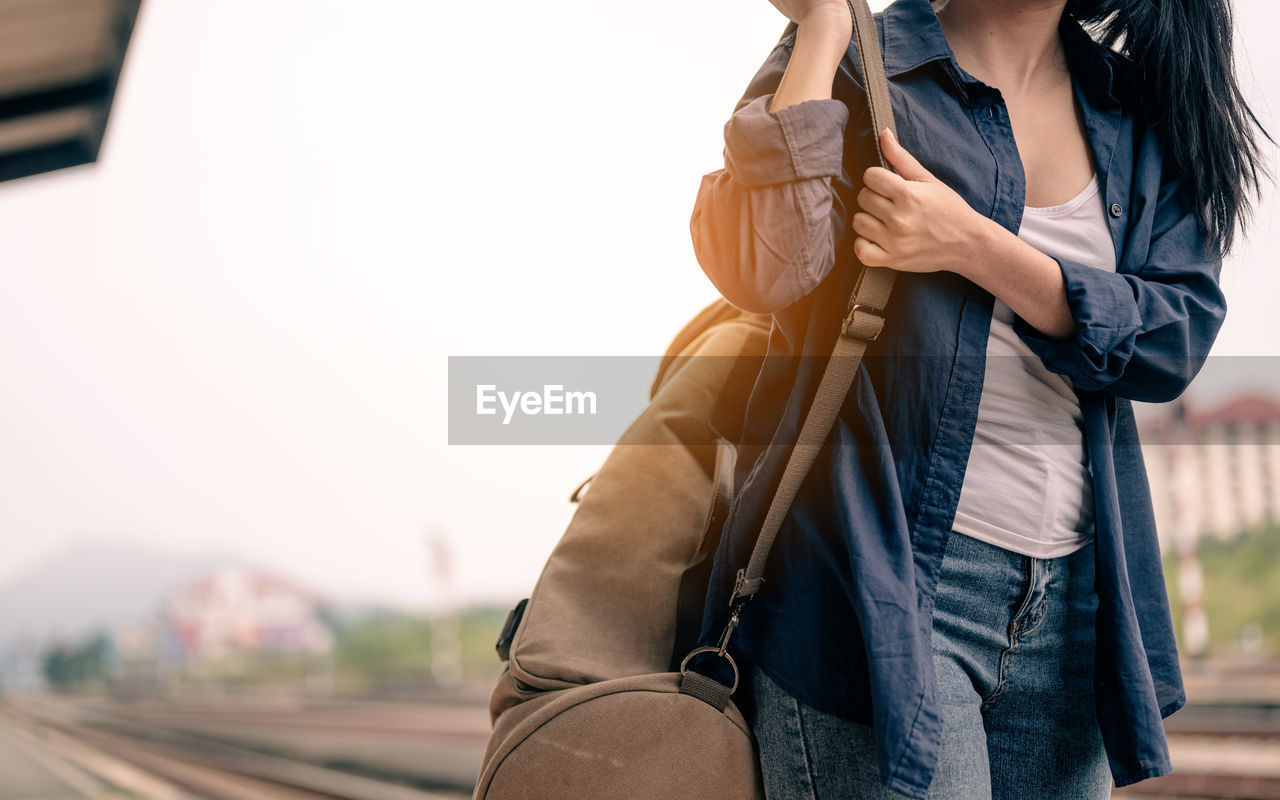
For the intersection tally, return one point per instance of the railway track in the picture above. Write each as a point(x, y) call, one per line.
point(1203, 786)
point(1219, 753)
point(434, 749)
point(1251, 721)
point(1226, 752)
point(206, 770)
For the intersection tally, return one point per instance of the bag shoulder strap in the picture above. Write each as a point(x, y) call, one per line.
point(861, 326)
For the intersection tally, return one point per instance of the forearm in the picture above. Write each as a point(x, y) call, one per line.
point(1141, 334)
point(821, 41)
point(1025, 279)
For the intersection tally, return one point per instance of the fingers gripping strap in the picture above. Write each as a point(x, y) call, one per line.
point(860, 328)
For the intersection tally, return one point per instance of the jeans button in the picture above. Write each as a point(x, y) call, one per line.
point(1116, 210)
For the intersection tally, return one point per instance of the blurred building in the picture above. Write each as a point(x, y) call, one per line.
point(1234, 471)
point(237, 611)
point(60, 61)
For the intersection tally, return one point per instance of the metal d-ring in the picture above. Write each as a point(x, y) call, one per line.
point(723, 654)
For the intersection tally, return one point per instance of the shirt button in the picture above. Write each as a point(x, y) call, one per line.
point(1116, 210)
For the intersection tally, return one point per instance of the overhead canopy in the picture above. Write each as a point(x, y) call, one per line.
point(59, 64)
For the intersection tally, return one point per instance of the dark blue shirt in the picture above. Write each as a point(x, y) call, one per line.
point(844, 618)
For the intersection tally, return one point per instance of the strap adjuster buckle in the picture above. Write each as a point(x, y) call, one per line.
point(863, 322)
point(744, 589)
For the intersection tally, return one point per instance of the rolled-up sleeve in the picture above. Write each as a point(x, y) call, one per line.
point(796, 143)
point(766, 227)
point(1143, 336)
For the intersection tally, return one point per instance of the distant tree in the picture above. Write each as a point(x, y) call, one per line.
point(68, 666)
point(1241, 591)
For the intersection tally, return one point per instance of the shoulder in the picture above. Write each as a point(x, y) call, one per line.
point(1149, 135)
point(1124, 77)
point(1127, 81)
point(1101, 67)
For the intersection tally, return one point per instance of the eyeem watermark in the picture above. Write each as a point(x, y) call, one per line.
point(594, 400)
point(553, 400)
point(542, 400)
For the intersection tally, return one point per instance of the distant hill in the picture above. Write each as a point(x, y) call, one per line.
point(93, 584)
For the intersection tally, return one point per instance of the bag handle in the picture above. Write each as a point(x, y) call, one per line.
point(861, 326)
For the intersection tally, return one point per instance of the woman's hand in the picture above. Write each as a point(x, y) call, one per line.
point(913, 222)
point(835, 12)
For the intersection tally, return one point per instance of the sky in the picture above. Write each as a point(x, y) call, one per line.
point(232, 334)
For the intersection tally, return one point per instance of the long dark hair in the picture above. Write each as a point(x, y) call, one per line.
point(1182, 51)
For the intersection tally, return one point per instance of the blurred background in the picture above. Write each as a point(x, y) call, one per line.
point(241, 240)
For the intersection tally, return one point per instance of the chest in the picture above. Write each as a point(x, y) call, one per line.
point(1049, 132)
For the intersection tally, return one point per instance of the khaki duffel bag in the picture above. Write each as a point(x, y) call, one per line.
point(595, 635)
point(600, 699)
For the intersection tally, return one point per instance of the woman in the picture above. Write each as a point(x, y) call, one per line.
point(966, 599)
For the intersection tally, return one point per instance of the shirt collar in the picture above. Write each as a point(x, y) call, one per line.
point(913, 37)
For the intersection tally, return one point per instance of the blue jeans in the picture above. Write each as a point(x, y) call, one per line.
point(1013, 643)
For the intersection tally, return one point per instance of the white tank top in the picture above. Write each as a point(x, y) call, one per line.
point(1026, 487)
